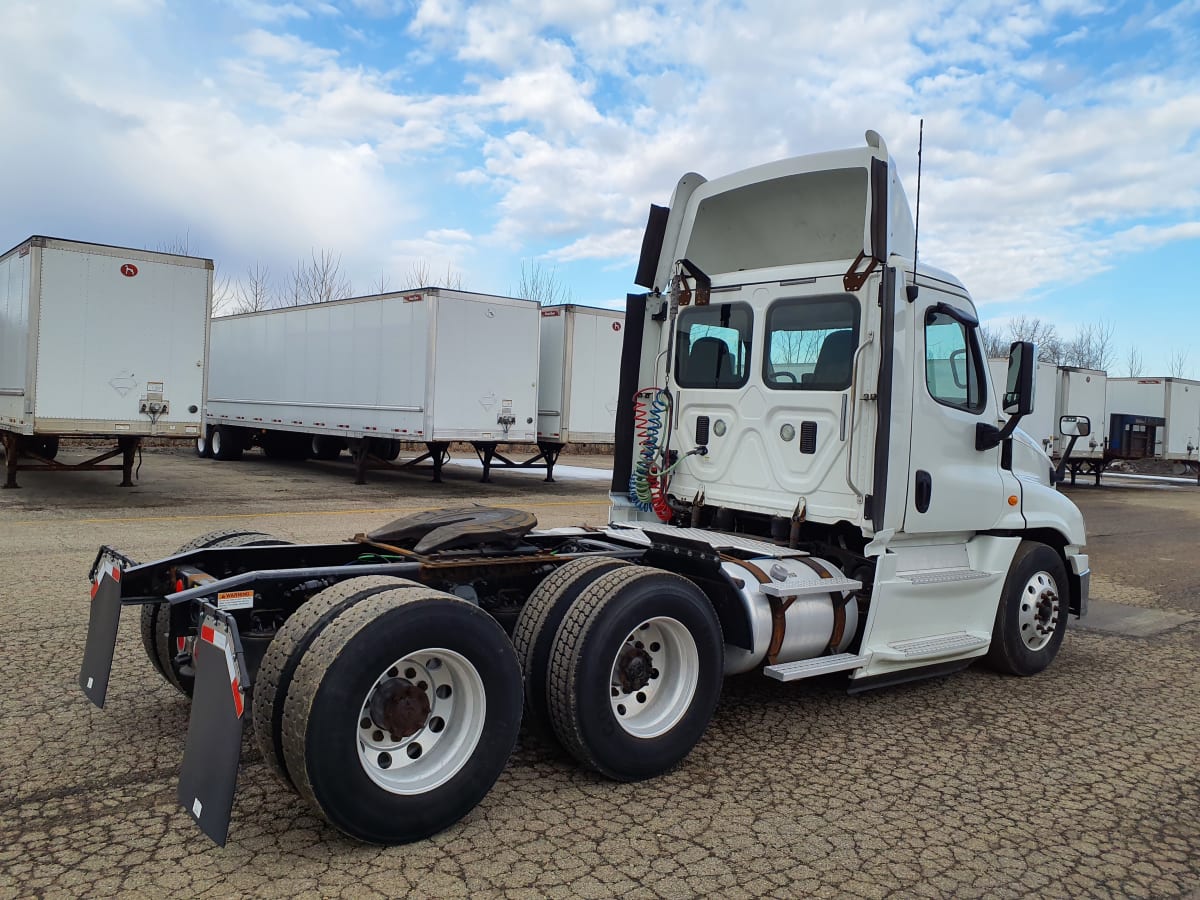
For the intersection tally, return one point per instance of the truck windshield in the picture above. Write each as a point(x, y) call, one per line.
point(804, 218)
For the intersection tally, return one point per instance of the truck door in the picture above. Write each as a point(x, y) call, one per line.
point(952, 486)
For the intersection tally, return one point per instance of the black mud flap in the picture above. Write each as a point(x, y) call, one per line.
point(103, 619)
point(208, 777)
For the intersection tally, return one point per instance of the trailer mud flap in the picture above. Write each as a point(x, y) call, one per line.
point(208, 778)
point(103, 620)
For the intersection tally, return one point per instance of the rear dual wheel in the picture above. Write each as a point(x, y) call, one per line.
point(635, 672)
point(393, 711)
point(226, 442)
point(163, 643)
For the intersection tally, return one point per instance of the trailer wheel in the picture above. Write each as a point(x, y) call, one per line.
point(46, 447)
point(287, 648)
point(162, 644)
point(1032, 616)
point(226, 443)
point(402, 714)
point(635, 672)
point(542, 614)
point(325, 447)
point(203, 446)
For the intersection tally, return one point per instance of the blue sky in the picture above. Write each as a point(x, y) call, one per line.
point(1061, 168)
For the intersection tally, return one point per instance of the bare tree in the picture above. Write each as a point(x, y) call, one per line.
point(319, 280)
point(418, 274)
point(1091, 348)
point(255, 293)
point(1044, 334)
point(1177, 364)
point(542, 284)
point(383, 284)
point(1133, 361)
point(454, 278)
point(224, 294)
point(994, 344)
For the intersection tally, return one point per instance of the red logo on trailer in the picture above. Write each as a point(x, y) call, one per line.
point(129, 270)
point(616, 326)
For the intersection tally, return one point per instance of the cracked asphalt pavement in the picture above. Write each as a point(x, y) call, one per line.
point(1081, 781)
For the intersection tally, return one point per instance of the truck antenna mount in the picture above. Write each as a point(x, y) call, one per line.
point(911, 290)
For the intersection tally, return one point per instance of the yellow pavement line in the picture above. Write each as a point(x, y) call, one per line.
point(271, 515)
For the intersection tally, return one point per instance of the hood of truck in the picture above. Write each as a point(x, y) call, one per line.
point(822, 207)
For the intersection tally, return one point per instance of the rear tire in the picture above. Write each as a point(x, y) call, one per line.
point(161, 643)
point(226, 443)
point(1031, 619)
point(635, 672)
point(287, 648)
point(456, 731)
point(538, 623)
point(203, 447)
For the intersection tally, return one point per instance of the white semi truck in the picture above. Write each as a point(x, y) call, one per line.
point(98, 342)
point(810, 478)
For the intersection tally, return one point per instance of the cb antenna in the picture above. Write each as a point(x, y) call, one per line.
point(911, 291)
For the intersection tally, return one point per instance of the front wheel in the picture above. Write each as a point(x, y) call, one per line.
point(1032, 616)
point(635, 672)
point(402, 714)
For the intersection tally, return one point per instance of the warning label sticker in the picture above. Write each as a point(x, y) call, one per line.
point(235, 600)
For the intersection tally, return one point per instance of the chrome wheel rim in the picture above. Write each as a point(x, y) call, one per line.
point(654, 677)
point(1038, 617)
point(421, 720)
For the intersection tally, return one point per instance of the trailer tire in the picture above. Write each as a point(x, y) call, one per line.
point(325, 447)
point(456, 733)
point(538, 623)
point(203, 444)
point(628, 709)
point(160, 643)
point(287, 648)
point(1031, 618)
point(46, 447)
point(226, 443)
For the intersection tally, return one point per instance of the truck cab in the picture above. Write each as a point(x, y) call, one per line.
point(802, 379)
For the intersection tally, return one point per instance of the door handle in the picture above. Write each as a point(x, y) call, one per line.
point(924, 490)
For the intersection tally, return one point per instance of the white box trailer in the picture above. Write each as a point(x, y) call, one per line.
point(101, 342)
point(1081, 392)
point(431, 366)
point(579, 373)
point(1174, 400)
point(1042, 423)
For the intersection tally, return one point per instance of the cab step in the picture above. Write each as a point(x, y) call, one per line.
point(944, 576)
point(933, 647)
point(820, 665)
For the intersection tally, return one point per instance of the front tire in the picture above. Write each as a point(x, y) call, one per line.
point(635, 673)
point(402, 714)
point(1031, 619)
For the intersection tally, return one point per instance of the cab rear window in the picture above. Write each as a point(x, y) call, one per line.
point(712, 346)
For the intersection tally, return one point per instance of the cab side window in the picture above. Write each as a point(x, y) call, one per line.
point(953, 363)
point(712, 346)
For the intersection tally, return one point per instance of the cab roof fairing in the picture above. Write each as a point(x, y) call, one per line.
point(848, 181)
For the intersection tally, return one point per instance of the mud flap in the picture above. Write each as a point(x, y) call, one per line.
point(208, 778)
point(103, 619)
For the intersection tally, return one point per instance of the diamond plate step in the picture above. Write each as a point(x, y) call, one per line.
point(934, 647)
point(821, 665)
point(944, 576)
